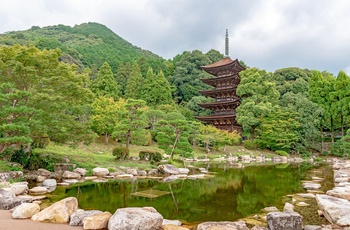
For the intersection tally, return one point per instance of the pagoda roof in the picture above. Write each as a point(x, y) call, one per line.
point(212, 81)
point(219, 103)
point(215, 117)
point(212, 91)
point(224, 63)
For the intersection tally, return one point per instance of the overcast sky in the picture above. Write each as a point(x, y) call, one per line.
point(268, 34)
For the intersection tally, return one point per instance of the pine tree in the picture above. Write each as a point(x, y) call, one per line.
point(122, 76)
point(104, 85)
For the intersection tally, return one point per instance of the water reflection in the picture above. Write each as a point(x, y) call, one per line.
point(229, 195)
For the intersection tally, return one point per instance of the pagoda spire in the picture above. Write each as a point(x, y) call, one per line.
point(226, 44)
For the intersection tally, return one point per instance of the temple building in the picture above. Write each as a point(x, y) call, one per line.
point(225, 82)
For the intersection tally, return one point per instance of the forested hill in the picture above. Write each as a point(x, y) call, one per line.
point(88, 44)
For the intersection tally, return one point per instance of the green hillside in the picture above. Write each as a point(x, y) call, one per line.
point(87, 45)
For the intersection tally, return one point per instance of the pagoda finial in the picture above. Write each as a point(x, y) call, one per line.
point(226, 44)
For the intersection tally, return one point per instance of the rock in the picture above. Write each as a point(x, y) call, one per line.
point(341, 180)
point(38, 190)
point(9, 200)
point(50, 184)
point(284, 220)
point(70, 175)
point(40, 178)
point(59, 212)
point(63, 184)
point(97, 221)
point(344, 184)
point(259, 228)
point(19, 188)
point(44, 172)
point(142, 173)
point(173, 227)
point(6, 176)
point(302, 204)
point(76, 219)
point(170, 178)
point(312, 227)
point(70, 181)
point(90, 177)
point(184, 170)
point(31, 198)
point(270, 209)
point(152, 172)
point(172, 222)
point(25, 210)
point(62, 167)
point(126, 176)
point(132, 172)
point(100, 172)
point(168, 169)
point(335, 210)
point(340, 192)
point(288, 207)
point(223, 225)
point(311, 186)
point(306, 195)
point(81, 171)
point(146, 218)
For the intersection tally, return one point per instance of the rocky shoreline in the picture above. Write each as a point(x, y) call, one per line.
point(25, 203)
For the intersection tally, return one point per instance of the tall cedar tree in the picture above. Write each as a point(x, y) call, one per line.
point(104, 85)
point(156, 89)
point(122, 75)
point(134, 83)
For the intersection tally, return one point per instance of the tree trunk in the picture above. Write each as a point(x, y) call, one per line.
point(3, 148)
point(128, 136)
point(106, 138)
point(252, 134)
point(332, 129)
point(322, 140)
point(175, 142)
point(207, 147)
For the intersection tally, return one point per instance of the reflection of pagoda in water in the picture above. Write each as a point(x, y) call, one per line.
point(226, 72)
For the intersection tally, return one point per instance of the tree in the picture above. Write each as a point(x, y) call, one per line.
point(173, 134)
point(56, 89)
point(134, 83)
point(259, 98)
point(130, 121)
point(104, 85)
point(278, 130)
point(209, 135)
point(15, 117)
point(122, 76)
point(105, 115)
point(199, 111)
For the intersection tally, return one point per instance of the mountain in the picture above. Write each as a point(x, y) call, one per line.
point(88, 45)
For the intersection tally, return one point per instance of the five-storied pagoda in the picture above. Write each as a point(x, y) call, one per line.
point(226, 72)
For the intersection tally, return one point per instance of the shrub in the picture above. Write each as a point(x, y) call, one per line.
point(121, 153)
point(41, 142)
point(281, 153)
point(251, 144)
point(34, 160)
point(150, 155)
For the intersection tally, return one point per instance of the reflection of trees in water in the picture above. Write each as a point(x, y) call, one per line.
point(229, 195)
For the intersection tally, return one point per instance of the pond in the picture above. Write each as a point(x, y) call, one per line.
point(230, 194)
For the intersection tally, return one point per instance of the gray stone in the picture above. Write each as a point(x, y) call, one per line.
point(76, 219)
point(168, 169)
point(141, 173)
point(340, 192)
point(71, 175)
point(132, 172)
point(8, 199)
point(311, 186)
point(312, 227)
point(6, 176)
point(173, 222)
point(50, 184)
point(19, 188)
point(306, 195)
point(97, 221)
point(270, 209)
point(44, 172)
point(38, 190)
point(152, 172)
point(259, 228)
point(223, 225)
point(69, 181)
point(80, 171)
point(284, 220)
point(184, 170)
point(100, 172)
point(146, 218)
point(335, 210)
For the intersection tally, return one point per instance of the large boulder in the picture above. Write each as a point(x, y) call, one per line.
point(76, 219)
point(70, 175)
point(223, 225)
point(8, 199)
point(340, 192)
point(80, 171)
point(59, 212)
point(97, 221)
point(335, 210)
point(44, 172)
point(25, 210)
point(146, 218)
point(19, 188)
point(100, 172)
point(169, 169)
point(284, 220)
